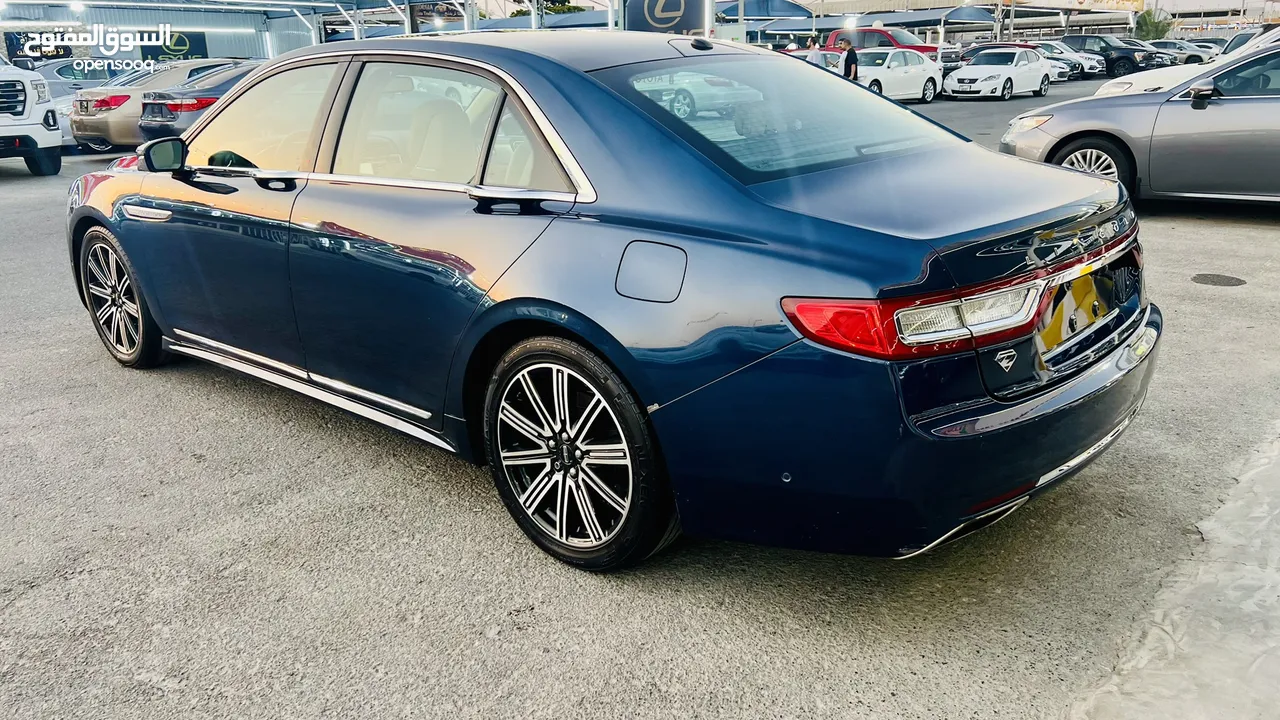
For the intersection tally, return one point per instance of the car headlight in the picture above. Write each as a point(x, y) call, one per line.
point(1028, 122)
point(1114, 88)
point(42, 91)
point(990, 78)
point(1139, 55)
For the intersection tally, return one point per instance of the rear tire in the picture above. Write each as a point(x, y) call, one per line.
point(109, 286)
point(572, 457)
point(97, 145)
point(930, 91)
point(683, 105)
point(1044, 87)
point(45, 162)
point(1194, 59)
point(1083, 155)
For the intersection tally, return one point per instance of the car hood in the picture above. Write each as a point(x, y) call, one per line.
point(916, 197)
point(977, 72)
point(1152, 80)
point(8, 72)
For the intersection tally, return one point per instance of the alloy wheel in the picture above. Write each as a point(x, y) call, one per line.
point(682, 105)
point(113, 299)
point(929, 91)
point(98, 145)
point(1092, 161)
point(565, 456)
point(1044, 86)
point(1006, 92)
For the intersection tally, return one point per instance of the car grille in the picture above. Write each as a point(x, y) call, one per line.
point(950, 56)
point(13, 98)
point(967, 81)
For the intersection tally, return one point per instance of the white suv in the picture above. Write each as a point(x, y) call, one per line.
point(28, 121)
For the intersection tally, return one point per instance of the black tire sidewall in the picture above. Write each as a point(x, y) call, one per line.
point(45, 162)
point(1123, 167)
point(875, 87)
point(1123, 67)
point(651, 513)
point(925, 97)
point(148, 351)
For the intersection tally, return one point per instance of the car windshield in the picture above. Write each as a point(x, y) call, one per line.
point(991, 57)
point(756, 116)
point(902, 37)
point(1239, 40)
point(1051, 49)
point(867, 58)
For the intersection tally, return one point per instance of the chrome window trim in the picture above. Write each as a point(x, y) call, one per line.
point(289, 383)
point(285, 368)
point(492, 192)
point(585, 191)
point(370, 396)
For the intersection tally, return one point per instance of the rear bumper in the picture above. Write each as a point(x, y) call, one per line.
point(114, 126)
point(152, 130)
point(810, 449)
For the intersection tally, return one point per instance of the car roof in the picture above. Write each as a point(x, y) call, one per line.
point(585, 50)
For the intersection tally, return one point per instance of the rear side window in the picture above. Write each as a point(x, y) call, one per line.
point(756, 117)
point(519, 158)
point(416, 122)
point(269, 126)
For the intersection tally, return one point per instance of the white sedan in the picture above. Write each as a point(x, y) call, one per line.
point(1093, 64)
point(899, 74)
point(1002, 73)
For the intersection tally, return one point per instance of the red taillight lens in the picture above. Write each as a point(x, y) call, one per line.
point(190, 104)
point(866, 327)
point(110, 103)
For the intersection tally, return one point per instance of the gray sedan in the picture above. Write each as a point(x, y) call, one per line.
point(1212, 134)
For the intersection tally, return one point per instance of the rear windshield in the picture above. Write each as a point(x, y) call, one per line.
point(994, 58)
point(1238, 40)
point(219, 76)
point(762, 118)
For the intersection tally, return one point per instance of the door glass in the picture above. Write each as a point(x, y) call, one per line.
point(896, 60)
point(1260, 76)
point(416, 122)
point(914, 59)
point(269, 126)
point(519, 158)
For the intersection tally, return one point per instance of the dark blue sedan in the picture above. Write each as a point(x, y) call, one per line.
point(776, 321)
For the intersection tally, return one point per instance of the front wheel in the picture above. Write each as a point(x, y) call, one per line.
point(1097, 156)
point(45, 162)
point(930, 91)
point(572, 457)
point(120, 314)
point(1006, 93)
point(1122, 67)
point(875, 87)
point(1044, 87)
point(683, 105)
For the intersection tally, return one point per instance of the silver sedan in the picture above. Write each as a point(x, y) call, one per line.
point(1211, 134)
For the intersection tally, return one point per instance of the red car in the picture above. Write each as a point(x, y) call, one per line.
point(865, 38)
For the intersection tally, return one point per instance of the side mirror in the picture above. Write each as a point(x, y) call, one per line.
point(164, 155)
point(1202, 91)
point(24, 63)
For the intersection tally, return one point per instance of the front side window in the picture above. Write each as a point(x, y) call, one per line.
point(269, 126)
point(1260, 76)
point(416, 122)
point(519, 158)
point(756, 117)
point(1052, 50)
point(1094, 44)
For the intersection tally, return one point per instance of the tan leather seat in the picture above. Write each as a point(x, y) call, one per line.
point(442, 147)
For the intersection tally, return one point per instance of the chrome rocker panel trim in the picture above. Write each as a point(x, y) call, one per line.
point(959, 531)
point(296, 379)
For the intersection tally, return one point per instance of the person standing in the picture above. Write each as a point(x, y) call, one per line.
point(848, 61)
point(814, 54)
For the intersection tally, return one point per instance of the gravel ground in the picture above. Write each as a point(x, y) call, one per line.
point(188, 543)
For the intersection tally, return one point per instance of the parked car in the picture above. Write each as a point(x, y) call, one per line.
point(1156, 80)
point(108, 116)
point(1183, 50)
point(1220, 43)
point(1157, 57)
point(1001, 73)
point(1212, 135)
point(608, 324)
point(1212, 50)
point(1061, 68)
point(65, 78)
point(1121, 59)
point(688, 94)
point(1239, 39)
point(1090, 64)
point(168, 113)
point(900, 74)
point(891, 37)
point(28, 121)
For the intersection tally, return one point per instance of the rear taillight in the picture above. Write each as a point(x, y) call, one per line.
point(190, 104)
point(942, 323)
point(110, 103)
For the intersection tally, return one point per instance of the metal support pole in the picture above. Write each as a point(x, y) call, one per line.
point(610, 19)
point(1013, 12)
point(468, 15)
point(534, 6)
